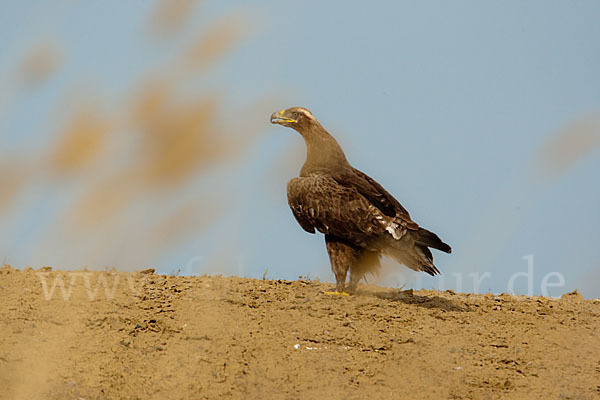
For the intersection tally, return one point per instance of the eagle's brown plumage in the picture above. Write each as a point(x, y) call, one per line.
point(359, 218)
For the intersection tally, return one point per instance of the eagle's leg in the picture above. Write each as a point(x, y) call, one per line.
point(354, 279)
point(368, 262)
point(341, 255)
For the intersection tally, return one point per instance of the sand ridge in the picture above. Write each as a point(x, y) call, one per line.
point(140, 335)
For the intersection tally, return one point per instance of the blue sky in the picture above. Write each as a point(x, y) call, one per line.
point(447, 104)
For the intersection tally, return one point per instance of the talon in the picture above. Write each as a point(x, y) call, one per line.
point(336, 293)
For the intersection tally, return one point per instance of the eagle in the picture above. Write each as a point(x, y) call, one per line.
point(361, 221)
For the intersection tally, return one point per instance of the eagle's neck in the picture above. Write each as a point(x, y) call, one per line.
point(323, 153)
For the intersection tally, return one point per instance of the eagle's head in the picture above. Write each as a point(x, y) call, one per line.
point(298, 118)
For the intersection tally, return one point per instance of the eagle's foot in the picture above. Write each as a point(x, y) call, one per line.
point(336, 293)
point(351, 289)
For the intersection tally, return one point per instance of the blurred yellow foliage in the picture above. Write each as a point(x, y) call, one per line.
point(128, 161)
point(13, 175)
point(81, 142)
point(570, 145)
point(170, 15)
point(217, 41)
point(40, 64)
point(178, 140)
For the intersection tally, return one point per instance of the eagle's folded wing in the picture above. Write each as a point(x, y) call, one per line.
point(321, 203)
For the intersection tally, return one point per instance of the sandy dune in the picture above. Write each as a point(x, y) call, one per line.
point(143, 335)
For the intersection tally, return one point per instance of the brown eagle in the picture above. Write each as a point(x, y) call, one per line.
point(359, 218)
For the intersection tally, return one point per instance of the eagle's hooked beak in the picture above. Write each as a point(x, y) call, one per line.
point(278, 118)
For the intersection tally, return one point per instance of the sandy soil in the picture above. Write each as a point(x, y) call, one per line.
point(165, 337)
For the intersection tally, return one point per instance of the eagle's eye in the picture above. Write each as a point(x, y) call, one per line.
point(296, 114)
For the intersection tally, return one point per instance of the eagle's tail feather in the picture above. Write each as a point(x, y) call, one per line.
point(416, 257)
point(430, 239)
point(428, 257)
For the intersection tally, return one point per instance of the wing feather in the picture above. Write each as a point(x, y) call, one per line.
point(377, 195)
point(320, 202)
